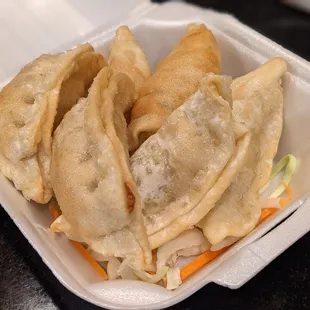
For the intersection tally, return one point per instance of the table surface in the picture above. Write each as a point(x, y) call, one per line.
point(26, 283)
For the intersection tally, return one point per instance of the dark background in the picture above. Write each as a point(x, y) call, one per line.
point(26, 283)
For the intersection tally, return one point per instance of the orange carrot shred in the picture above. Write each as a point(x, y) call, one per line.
point(266, 213)
point(284, 201)
point(90, 259)
point(54, 210)
point(199, 262)
point(80, 247)
point(209, 255)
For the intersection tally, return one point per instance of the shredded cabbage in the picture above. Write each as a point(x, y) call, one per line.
point(173, 278)
point(146, 277)
point(290, 163)
point(113, 267)
point(183, 245)
point(127, 273)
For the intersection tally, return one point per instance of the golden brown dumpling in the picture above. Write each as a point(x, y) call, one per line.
point(126, 56)
point(176, 78)
point(258, 108)
point(178, 166)
point(91, 177)
point(34, 103)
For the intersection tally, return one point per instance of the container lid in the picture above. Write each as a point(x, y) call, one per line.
point(32, 27)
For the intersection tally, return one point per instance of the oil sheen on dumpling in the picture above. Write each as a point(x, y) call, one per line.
point(258, 108)
point(34, 103)
point(176, 167)
point(91, 176)
point(176, 78)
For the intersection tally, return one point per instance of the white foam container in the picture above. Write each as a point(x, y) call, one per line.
point(158, 28)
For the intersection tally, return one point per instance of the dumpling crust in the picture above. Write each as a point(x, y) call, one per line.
point(257, 107)
point(31, 105)
point(176, 78)
point(176, 167)
point(91, 177)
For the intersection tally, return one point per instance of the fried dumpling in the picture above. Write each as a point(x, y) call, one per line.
point(126, 56)
point(176, 78)
point(34, 103)
point(257, 107)
point(176, 167)
point(91, 176)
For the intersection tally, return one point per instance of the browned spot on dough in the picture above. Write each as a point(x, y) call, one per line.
point(130, 199)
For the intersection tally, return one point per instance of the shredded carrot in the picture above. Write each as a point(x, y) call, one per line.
point(54, 210)
point(88, 257)
point(151, 272)
point(266, 213)
point(284, 201)
point(199, 262)
point(80, 247)
point(208, 256)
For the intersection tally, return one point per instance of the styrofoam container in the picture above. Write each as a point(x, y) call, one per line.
point(158, 28)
